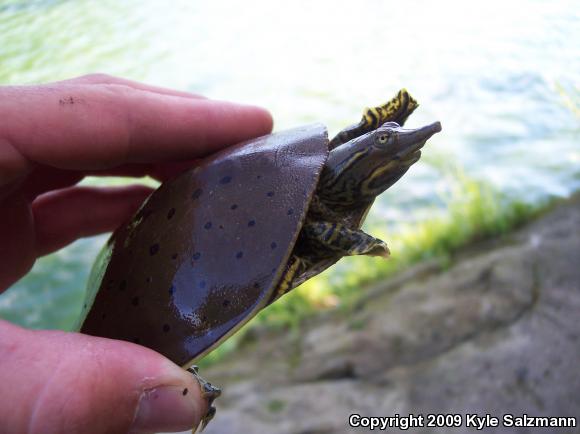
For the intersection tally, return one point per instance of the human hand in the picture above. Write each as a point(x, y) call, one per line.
point(51, 136)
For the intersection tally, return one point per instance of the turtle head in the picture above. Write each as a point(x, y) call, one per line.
point(363, 168)
point(402, 146)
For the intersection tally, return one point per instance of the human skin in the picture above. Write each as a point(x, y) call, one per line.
point(51, 137)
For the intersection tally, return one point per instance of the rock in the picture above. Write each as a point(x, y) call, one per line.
point(497, 333)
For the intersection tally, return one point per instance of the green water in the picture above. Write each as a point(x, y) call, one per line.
point(502, 77)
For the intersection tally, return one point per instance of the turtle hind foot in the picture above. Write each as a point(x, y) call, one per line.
point(208, 417)
point(209, 392)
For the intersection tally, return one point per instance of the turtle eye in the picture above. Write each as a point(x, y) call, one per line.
point(383, 138)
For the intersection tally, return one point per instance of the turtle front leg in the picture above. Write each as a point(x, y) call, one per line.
point(339, 239)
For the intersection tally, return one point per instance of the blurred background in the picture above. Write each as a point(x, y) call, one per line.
point(502, 77)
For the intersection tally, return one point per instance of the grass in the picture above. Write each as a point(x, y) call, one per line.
point(473, 212)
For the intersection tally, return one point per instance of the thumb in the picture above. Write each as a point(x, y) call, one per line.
point(59, 382)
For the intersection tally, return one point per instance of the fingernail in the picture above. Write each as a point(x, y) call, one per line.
point(167, 408)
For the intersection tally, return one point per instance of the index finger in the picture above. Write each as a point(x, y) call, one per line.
point(93, 127)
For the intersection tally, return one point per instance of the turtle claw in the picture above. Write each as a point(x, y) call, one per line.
point(209, 392)
point(208, 417)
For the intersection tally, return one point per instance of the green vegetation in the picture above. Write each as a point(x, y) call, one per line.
point(276, 405)
point(473, 212)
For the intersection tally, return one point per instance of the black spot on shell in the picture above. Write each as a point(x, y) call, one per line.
point(225, 303)
point(239, 255)
point(273, 245)
point(196, 256)
point(171, 289)
point(196, 194)
point(135, 301)
point(84, 306)
point(154, 249)
point(270, 194)
point(226, 180)
point(171, 213)
point(259, 177)
point(221, 226)
point(256, 285)
point(122, 285)
point(174, 256)
point(202, 284)
point(290, 211)
point(252, 223)
point(207, 225)
point(166, 328)
point(234, 206)
point(184, 391)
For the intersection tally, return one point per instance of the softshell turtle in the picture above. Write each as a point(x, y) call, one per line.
point(212, 247)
